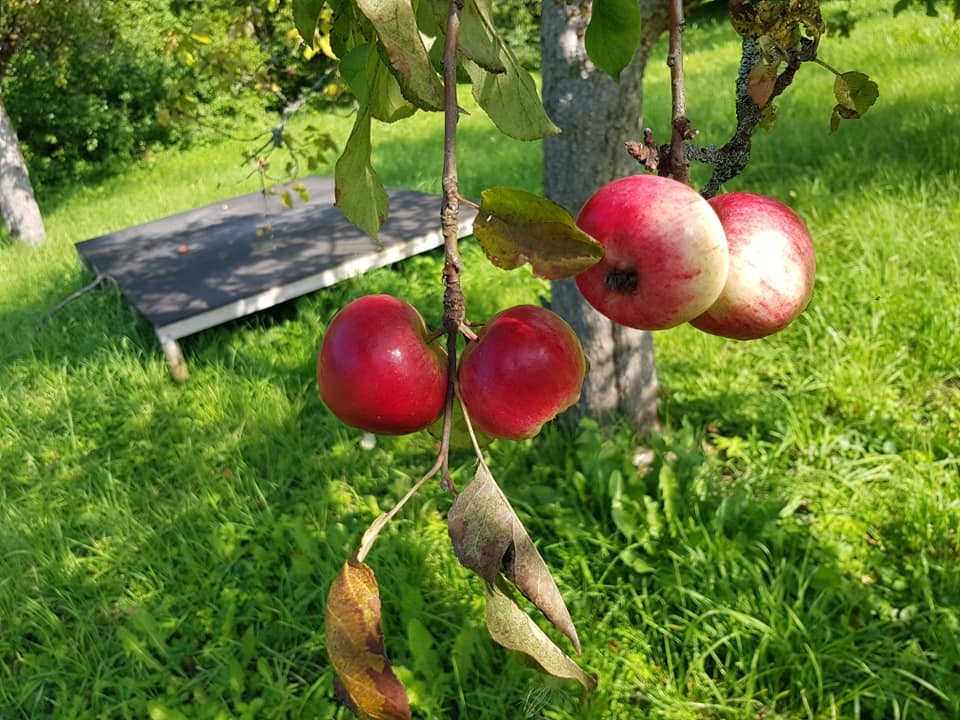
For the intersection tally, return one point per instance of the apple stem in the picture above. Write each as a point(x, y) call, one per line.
point(470, 429)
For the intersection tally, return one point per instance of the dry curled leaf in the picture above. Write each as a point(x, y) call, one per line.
point(512, 628)
point(488, 536)
point(365, 680)
point(761, 83)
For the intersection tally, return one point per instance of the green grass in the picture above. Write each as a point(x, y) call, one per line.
point(787, 547)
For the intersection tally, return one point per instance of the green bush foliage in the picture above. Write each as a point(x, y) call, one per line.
point(84, 91)
point(519, 21)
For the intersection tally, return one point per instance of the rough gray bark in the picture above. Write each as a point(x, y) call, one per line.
point(18, 206)
point(597, 116)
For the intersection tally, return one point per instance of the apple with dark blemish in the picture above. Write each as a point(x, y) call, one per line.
point(665, 252)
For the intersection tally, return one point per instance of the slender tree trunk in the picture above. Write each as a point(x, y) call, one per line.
point(18, 206)
point(597, 116)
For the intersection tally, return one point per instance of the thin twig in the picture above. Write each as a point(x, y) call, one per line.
point(679, 165)
point(373, 532)
point(453, 302)
point(454, 305)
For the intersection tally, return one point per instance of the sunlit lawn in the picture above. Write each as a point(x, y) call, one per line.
point(787, 547)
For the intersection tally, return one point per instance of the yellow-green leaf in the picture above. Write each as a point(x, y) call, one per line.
point(515, 227)
point(855, 91)
point(512, 628)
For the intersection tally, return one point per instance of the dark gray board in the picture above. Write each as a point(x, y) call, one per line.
point(197, 269)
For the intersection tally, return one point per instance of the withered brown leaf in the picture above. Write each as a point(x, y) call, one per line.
point(488, 536)
point(761, 82)
point(511, 627)
point(355, 646)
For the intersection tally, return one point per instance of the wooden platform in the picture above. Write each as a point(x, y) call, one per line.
point(195, 270)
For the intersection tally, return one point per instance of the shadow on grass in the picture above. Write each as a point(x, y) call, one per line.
point(172, 554)
point(54, 332)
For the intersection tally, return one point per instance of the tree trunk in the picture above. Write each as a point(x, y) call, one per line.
point(597, 116)
point(18, 206)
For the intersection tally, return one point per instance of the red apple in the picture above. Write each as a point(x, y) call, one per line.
point(665, 253)
point(377, 372)
point(772, 268)
point(526, 367)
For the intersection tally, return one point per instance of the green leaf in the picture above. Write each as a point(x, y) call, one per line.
point(635, 561)
point(613, 35)
point(515, 227)
point(855, 93)
point(396, 24)
point(625, 511)
point(479, 40)
point(359, 193)
point(511, 99)
point(374, 85)
point(422, 646)
point(670, 493)
point(512, 628)
point(353, 70)
point(349, 29)
point(487, 535)
point(306, 14)
point(158, 711)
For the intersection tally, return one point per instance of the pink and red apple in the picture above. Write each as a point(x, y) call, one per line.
point(665, 252)
point(526, 367)
point(772, 268)
point(376, 370)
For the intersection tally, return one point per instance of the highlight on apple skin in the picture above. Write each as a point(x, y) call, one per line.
point(665, 252)
point(525, 368)
point(772, 268)
point(376, 371)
